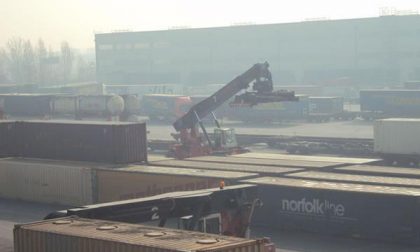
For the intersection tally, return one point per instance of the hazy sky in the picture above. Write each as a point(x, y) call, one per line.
point(77, 20)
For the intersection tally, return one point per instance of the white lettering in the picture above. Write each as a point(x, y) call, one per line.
point(315, 206)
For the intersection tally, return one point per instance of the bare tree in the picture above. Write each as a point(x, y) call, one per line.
point(85, 70)
point(29, 70)
point(14, 58)
point(4, 76)
point(67, 58)
point(41, 61)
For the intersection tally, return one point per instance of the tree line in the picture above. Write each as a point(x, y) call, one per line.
point(23, 63)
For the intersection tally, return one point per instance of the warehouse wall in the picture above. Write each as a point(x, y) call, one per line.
point(375, 51)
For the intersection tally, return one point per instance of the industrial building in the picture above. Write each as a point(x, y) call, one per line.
point(375, 52)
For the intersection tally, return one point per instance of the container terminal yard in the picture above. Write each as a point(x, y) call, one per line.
point(175, 146)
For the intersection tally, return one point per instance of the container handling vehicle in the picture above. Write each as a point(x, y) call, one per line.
point(191, 142)
point(224, 210)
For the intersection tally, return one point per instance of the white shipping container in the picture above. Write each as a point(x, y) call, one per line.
point(143, 89)
point(46, 181)
point(399, 136)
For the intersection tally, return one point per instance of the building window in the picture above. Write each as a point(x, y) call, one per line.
point(124, 46)
point(161, 45)
point(105, 47)
point(141, 45)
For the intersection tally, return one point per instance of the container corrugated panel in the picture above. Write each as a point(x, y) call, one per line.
point(130, 143)
point(227, 167)
point(397, 136)
point(354, 210)
point(8, 138)
point(268, 162)
point(359, 179)
point(46, 181)
point(306, 158)
point(390, 171)
point(391, 102)
point(141, 181)
point(88, 235)
point(27, 105)
point(326, 105)
point(113, 142)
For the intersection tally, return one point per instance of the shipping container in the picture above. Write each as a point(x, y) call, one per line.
point(114, 142)
point(310, 90)
point(63, 105)
point(390, 171)
point(111, 105)
point(141, 181)
point(396, 103)
point(266, 170)
point(8, 138)
point(344, 160)
point(397, 137)
point(321, 105)
point(268, 162)
point(47, 181)
point(164, 107)
point(271, 112)
point(142, 89)
point(339, 209)
point(412, 85)
point(73, 234)
point(357, 179)
point(34, 105)
point(8, 88)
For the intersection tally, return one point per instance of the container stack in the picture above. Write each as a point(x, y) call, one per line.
point(350, 197)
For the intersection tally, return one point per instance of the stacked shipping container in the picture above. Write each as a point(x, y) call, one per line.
point(109, 142)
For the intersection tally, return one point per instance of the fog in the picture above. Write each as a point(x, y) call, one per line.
point(76, 21)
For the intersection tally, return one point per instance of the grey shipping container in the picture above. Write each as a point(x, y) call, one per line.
point(364, 211)
point(88, 235)
point(109, 142)
point(412, 84)
point(397, 103)
point(27, 104)
point(358, 179)
point(8, 143)
point(390, 171)
point(326, 105)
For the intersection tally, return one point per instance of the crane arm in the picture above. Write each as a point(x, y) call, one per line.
point(263, 85)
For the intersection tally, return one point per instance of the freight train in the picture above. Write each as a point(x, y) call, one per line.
point(40, 106)
point(308, 108)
